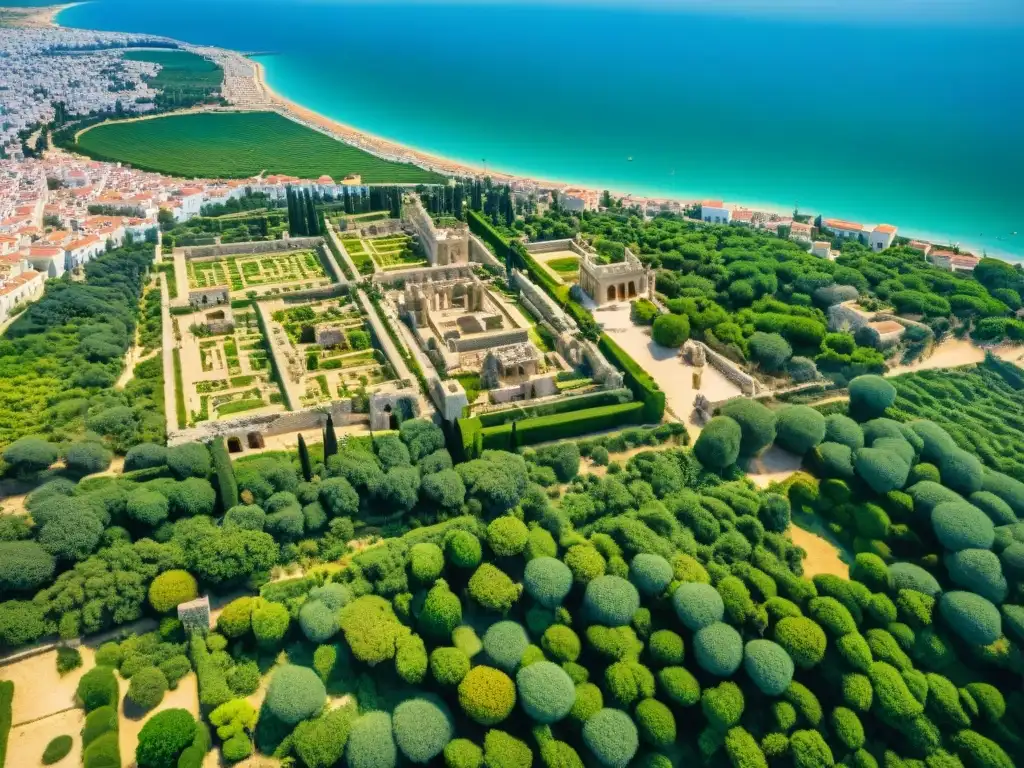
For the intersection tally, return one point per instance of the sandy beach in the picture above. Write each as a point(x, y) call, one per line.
point(34, 18)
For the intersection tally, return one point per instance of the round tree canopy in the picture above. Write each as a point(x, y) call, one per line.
point(698, 605)
point(546, 692)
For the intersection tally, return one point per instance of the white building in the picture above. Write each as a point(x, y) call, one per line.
point(822, 249)
point(800, 232)
point(715, 212)
point(881, 237)
point(844, 229)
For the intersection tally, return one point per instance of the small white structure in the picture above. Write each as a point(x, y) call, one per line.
point(195, 615)
point(844, 229)
point(715, 212)
point(822, 249)
point(800, 232)
point(954, 262)
point(881, 237)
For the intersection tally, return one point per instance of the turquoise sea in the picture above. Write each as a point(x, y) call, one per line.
point(903, 111)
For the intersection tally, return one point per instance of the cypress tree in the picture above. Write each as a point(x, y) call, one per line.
point(307, 467)
point(514, 438)
point(330, 439)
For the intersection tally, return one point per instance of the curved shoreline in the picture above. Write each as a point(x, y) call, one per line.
point(391, 149)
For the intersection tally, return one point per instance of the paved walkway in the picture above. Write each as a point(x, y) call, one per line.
point(167, 335)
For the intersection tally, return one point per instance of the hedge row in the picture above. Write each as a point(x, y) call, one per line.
point(562, 405)
point(179, 391)
point(227, 486)
point(6, 716)
point(640, 383)
point(482, 228)
point(562, 425)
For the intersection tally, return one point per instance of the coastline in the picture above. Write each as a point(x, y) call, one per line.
point(268, 98)
point(36, 18)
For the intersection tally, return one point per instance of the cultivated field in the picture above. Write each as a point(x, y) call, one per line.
point(181, 71)
point(238, 145)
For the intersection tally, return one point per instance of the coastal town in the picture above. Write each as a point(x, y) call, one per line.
point(415, 463)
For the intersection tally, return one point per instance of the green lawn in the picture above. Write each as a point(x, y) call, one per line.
point(239, 145)
point(181, 70)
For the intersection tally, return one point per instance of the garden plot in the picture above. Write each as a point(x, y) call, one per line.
point(328, 348)
point(263, 273)
point(226, 374)
point(564, 266)
point(386, 253)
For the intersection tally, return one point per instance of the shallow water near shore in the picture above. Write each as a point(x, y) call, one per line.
point(912, 122)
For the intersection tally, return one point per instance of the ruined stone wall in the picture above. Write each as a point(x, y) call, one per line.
point(262, 246)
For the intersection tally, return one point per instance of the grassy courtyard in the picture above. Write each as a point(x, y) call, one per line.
point(386, 253)
point(239, 145)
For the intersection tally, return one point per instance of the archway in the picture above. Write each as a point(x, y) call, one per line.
point(255, 440)
point(611, 293)
point(632, 289)
point(234, 445)
point(622, 292)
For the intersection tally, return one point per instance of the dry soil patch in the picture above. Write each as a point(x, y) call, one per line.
point(27, 742)
point(185, 696)
point(822, 555)
point(38, 690)
point(772, 466)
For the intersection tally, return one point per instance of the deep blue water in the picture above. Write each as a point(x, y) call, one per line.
point(913, 118)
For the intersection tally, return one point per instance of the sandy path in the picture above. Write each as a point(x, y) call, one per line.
point(27, 742)
point(822, 555)
point(38, 690)
point(185, 696)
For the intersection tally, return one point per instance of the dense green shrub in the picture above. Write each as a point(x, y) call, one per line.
point(99, 721)
point(910, 576)
point(743, 750)
point(998, 511)
point(961, 471)
point(768, 666)
point(247, 516)
point(834, 460)
point(978, 570)
point(891, 693)
point(294, 694)
point(718, 649)
point(371, 743)
point(318, 622)
point(163, 738)
point(442, 612)
point(611, 601)
point(650, 573)
point(72, 536)
point(411, 659)
point(147, 688)
point(487, 695)
point(561, 643)
point(505, 643)
point(491, 588)
point(843, 430)
point(57, 750)
point(809, 749)
point(585, 562)
point(977, 751)
point(799, 428)
point(320, 743)
point(718, 445)
point(507, 536)
point(97, 688)
point(189, 460)
point(656, 723)
point(24, 567)
point(235, 619)
point(463, 753)
point(971, 616)
point(87, 458)
point(959, 525)
point(270, 623)
point(103, 752)
point(463, 550)
point(422, 728)
point(546, 692)
point(588, 701)
point(723, 705)
point(448, 665)
point(426, 562)
point(504, 751)
point(870, 396)
point(547, 580)
point(757, 424)
point(770, 350)
point(832, 615)
point(612, 737)
point(628, 680)
point(670, 330)
point(172, 588)
point(698, 605)
point(148, 507)
point(666, 648)
point(802, 639)
point(29, 456)
point(679, 685)
point(883, 470)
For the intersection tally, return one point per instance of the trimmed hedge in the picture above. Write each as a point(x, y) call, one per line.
point(959, 525)
point(972, 617)
point(97, 688)
point(57, 749)
point(803, 639)
point(650, 573)
point(505, 643)
point(227, 486)
point(295, 694)
point(6, 716)
point(799, 428)
point(698, 605)
point(371, 743)
point(560, 426)
point(487, 695)
point(718, 445)
point(547, 580)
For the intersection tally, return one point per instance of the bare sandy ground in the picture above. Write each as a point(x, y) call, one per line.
point(822, 555)
point(772, 466)
point(673, 375)
point(44, 708)
point(27, 742)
